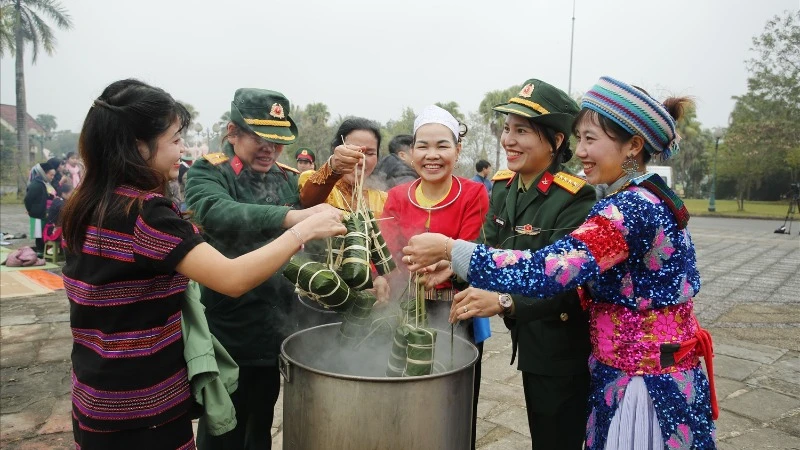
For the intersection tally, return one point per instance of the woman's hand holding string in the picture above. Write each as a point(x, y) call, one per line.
point(345, 158)
point(436, 274)
point(474, 302)
point(426, 249)
point(324, 223)
point(295, 216)
point(380, 286)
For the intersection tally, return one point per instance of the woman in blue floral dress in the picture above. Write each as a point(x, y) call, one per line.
point(633, 259)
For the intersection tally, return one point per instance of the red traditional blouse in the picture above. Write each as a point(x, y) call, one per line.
point(459, 216)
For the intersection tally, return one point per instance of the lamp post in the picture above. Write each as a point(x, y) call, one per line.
point(712, 205)
point(571, 46)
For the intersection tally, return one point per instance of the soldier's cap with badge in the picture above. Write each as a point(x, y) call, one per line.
point(544, 104)
point(265, 113)
point(305, 153)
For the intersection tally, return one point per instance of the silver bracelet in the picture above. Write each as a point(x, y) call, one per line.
point(299, 238)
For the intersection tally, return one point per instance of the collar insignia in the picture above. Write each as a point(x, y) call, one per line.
point(545, 182)
point(237, 165)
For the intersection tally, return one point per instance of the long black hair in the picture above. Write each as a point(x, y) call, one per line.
point(126, 113)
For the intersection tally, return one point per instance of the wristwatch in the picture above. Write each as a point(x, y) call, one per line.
point(506, 303)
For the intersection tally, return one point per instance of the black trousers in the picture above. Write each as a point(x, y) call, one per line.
point(254, 401)
point(561, 425)
point(174, 435)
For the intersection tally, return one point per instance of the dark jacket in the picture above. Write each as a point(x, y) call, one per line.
point(240, 211)
point(551, 334)
point(392, 171)
point(36, 198)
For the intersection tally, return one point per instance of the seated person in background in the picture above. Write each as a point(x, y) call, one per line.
point(52, 227)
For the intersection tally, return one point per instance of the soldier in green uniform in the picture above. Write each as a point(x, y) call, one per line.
point(532, 205)
point(306, 159)
point(243, 198)
point(530, 209)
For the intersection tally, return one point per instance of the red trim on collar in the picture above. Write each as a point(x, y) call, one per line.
point(511, 180)
point(237, 165)
point(545, 182)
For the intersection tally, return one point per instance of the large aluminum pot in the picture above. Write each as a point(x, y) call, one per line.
point(331, 401)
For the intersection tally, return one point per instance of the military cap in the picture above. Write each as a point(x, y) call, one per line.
point(305, 154)
point(265, 113)
point(544, 104)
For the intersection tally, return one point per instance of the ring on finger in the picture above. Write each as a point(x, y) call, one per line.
point(466, 310)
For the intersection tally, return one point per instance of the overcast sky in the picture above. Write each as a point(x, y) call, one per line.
point(373, 58)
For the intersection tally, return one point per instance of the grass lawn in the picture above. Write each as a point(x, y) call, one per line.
point(10, 199)
point(728, 208)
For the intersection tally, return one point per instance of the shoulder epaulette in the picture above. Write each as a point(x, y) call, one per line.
point(504, 174)
point(569, 182)
point(216, 158)
point(289, 168)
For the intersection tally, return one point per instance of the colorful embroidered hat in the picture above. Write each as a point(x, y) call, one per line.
point(306, 154)
point(543, 104)
point(265, 113)
point(637, 113)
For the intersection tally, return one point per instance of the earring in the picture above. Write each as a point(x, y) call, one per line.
point(630, 166)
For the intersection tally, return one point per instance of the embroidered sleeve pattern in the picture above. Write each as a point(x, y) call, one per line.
point(604, 240)
point(322, 175)
point(633, 213)
point(316, 187)
point(159, 231)
point(559, 267)
point(152, 243)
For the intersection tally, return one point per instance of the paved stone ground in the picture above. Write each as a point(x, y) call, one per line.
point(750, 301)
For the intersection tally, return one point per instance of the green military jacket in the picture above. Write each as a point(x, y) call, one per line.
point(239, 211)
point(552, 334)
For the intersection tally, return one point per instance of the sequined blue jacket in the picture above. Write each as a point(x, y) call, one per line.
point(631, 252)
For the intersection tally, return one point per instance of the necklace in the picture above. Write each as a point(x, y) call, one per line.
point(433, 208)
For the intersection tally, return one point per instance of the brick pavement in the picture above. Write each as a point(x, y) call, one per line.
point(749, 302)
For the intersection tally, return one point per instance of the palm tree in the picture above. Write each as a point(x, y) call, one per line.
point(6, 28)
point(318, 113)
point(29, 26)
point(452, 108)
point(494, 119)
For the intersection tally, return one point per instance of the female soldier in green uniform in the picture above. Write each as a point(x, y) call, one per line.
point(533, 204)
point(243, 198)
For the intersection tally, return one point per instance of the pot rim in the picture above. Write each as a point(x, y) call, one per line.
point(383, 379)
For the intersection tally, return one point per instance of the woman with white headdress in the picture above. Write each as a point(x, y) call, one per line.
point(438, 202)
